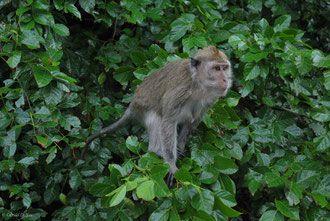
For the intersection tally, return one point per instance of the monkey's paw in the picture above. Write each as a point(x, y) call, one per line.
point(170, 176)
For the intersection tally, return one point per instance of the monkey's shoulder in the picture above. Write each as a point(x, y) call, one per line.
point(169, 82)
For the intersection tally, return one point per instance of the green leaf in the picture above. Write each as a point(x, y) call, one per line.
point(73, 9)
point(133, 144)
point(61, 29)
point(141, 73)
point(159, 215)
point(41, 4)
point(31, 39)
point(321, 115)
point(42, 77)
point(119, 196)
point(14, 60)
point(174, 215)
point(100, 189)
point(254, 185)
point(43, 112)
point(324, 145)
point(183, 175)
point(247, 88)
point(203, 215)
point(226, 197)
point(159, 171)
point(273, 179)
point(294, 194)
point(282, 23)
point(248, 57)
point(131, 185)
point(53, 96)
point(27, 161)
point(272, 215)
point(21, 116)
point(203, 201)
point(263, 159)
point(286, 210)
point(255, 4)
point(75, 179)
point(87, 5)
point(225, 165)
point(232, 99)
point(145, 190)
point(102, 77)
point(303, 62)
point(219, 205)
point(188, 43)
point(44, 141)
point(327, 79)
point(22, 10)
point(160, 188)
point(123, 74)
point(138, 58)
point(294, 130)
point(237, 42)
point(9, 143)
point(50, 194)
point(43, 17)
point(251, 71)
point(306, 177)
point(199, 41)
point(26, 200)
point(320, 199)
point(209, 175)
point(180, 26)
point(63, 77)
point(52, 154)
point(63, 199)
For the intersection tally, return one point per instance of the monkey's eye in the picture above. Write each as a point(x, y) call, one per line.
point(225, 67)
point(217, 68)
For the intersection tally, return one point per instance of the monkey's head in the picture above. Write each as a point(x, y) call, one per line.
point(212, 70)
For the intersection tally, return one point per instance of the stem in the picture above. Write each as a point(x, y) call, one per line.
point(114, 30)
point(27, 98)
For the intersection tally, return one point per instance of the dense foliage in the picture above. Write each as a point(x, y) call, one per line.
point(70, 67)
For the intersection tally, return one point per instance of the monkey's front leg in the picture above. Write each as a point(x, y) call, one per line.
point(186, 128)
point(183, 136)
point(169, 150)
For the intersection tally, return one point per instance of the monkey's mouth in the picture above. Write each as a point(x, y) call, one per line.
point(221, 88)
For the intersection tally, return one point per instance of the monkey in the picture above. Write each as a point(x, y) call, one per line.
point(171, 101)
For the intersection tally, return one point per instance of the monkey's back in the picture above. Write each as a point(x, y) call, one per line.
point(174, 76)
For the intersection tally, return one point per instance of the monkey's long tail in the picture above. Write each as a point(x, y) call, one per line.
point(121, 122)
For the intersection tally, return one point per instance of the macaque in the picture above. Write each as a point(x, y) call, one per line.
point(171, 101)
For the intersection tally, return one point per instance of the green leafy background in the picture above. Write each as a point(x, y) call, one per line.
point(70, 67)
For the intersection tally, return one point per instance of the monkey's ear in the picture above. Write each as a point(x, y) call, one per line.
point(195, 62)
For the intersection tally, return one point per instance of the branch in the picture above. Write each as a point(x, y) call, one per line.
point(300, 116)
point(290, 111)
point(114, 30)
point(27, 98)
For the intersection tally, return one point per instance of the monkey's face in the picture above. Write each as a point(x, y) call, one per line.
point(212, 70)
point(216, 76)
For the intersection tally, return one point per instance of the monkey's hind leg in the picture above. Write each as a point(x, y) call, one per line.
point(152, 123)
point(169, 149)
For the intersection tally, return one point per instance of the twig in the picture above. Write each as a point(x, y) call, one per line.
point(290, 111)
point(114, 30)
point(300, 116)
point(27, 98)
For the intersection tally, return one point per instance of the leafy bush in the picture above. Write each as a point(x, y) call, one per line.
point(70, 67)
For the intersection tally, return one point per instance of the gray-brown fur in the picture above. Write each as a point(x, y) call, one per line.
point(173, 76)
point(176, 96)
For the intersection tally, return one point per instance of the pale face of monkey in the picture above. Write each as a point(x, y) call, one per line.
point(216, 76)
